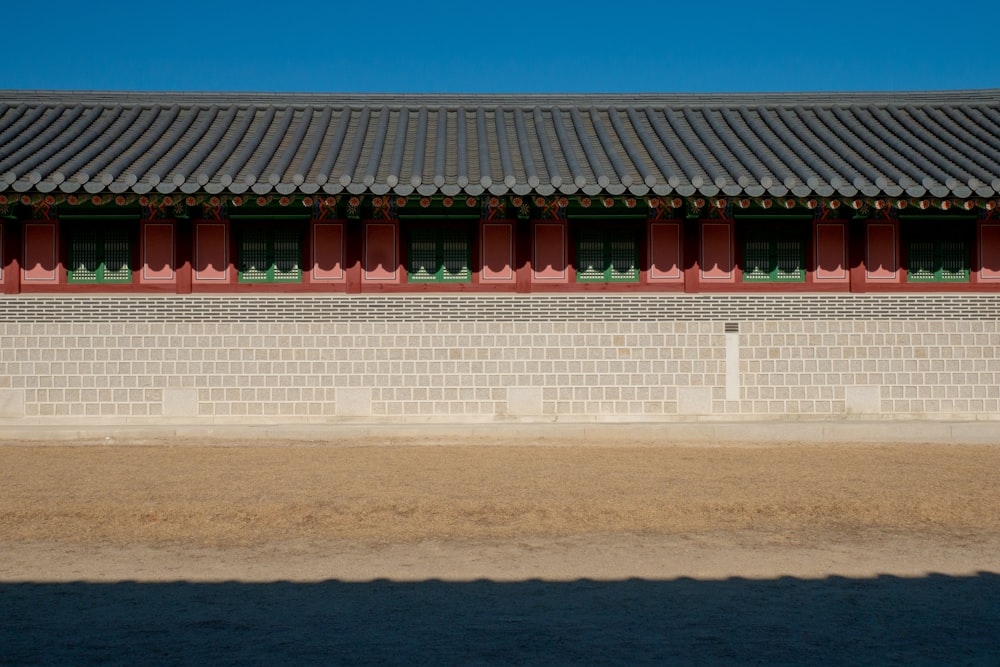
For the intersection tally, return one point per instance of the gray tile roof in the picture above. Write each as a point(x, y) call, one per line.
point(932, 144)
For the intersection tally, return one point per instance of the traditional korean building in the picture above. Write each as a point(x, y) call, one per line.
point(220, 257)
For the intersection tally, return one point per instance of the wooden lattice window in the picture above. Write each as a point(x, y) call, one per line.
point(99, 255)
point(933, 260)
point(770, 255)
point(607, 255)
point(270, 255)
point(438, 256)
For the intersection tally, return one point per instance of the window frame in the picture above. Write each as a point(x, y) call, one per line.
point(774, 234)
point(101, 231)
point(439, 236)
point(605, 233)
point(270, 233)
point(938, 236)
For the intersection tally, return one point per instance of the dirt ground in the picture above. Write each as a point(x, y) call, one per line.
point(491, 553)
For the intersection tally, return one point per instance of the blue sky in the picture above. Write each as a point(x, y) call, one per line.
point(512, 46)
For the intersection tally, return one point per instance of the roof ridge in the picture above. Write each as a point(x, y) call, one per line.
point(449, 100)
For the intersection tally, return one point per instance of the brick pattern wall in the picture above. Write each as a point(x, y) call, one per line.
point(461, 358)
point(504, 308)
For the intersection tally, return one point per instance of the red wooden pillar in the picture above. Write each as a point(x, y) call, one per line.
point(856, 254)
point(10, 257)
point(691, 259)
point(184, 259)
point(522, 256)
point(353, 248)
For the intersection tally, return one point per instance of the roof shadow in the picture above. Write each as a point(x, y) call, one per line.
point(934, 619)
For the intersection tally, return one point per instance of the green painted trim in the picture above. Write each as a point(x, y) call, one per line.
point(607, 239)
point(435, 269)
point(779, 216)
point(97, 217)
point(425, 216)
point(936, 259)
point(773, 273)
point(267, 217)
point(268, 240)
point(102, 246)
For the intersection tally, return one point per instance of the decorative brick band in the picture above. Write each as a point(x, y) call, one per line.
point(471, 308)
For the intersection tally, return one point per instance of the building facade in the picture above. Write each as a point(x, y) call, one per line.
point(229, 257)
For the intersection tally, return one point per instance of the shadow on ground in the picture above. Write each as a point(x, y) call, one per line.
point(928, 620)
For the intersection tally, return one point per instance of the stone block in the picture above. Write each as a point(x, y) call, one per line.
point(11, 403)
point(180, 402)
point(353, 402)
point(524, 401)
point(694, 400)
point(862, 399)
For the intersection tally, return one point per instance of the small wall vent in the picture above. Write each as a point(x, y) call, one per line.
point(732, 327)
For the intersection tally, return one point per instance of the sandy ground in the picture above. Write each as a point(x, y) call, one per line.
point(174, 552)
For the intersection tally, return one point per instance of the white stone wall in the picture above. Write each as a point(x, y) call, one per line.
point(933, 368)
point(574, 370)
point(397, 370)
